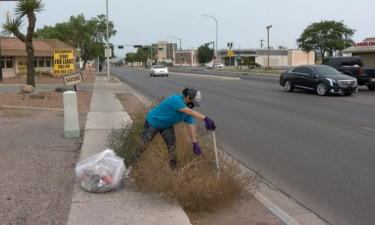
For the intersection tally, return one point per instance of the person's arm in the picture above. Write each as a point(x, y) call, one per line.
point(192, 113)
point(191, 129)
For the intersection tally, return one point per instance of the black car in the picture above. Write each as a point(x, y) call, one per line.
point(319, 78)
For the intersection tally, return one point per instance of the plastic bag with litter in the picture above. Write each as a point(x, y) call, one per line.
point(100, 172)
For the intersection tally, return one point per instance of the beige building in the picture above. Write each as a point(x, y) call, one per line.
point(277, 57)
point(365, 50)
point(14, 56)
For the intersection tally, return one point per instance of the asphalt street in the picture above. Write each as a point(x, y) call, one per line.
point(319, 150)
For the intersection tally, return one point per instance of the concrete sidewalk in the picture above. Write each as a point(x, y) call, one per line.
point(125, 206)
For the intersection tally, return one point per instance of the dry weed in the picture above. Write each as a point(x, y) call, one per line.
point(196, 184)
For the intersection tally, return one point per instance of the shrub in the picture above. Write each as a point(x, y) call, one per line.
point(195, 184)
point(253, 65)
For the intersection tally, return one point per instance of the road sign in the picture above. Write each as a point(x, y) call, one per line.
point(230, 53)
point(63, 61)
point(238, 59)
point(230, 46)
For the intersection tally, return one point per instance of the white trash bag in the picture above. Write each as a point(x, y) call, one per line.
point(100, 172)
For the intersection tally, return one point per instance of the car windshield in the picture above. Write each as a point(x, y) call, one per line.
point(326, 71)
point(159, 67)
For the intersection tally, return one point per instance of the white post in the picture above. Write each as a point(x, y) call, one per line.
point(107, 45)
point(71, 122)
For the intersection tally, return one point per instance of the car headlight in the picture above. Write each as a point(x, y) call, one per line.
point(331, 81)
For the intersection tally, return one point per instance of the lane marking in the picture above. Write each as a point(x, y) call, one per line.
point(232, 95)
point(368, 128)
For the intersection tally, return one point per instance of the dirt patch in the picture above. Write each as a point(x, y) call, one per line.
point(53, 100)
point(243, 210)
point(45, 80)
point(37, 166)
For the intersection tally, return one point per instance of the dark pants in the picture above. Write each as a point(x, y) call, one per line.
point(148, 133)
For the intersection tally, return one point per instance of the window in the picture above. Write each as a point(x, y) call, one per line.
point(48, 62)
point(307, 70)
point(41, 62)
point(6, 62)
point(297, 70)
point(326, 70)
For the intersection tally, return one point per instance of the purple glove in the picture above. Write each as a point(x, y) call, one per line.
point(197, 150)
point(209, 123)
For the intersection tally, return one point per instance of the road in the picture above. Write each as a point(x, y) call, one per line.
point(319, 150)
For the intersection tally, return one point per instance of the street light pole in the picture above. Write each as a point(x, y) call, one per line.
point(216, 33)
point(1, 60)
point(107, 42)
point(180, 50)
point(268, 45)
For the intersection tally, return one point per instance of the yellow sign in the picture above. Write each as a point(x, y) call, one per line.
point(22, 66)
point(63, 61)
point(230, 53)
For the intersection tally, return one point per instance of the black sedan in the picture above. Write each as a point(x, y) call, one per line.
point(319, 78)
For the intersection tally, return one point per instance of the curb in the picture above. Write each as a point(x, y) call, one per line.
point(22, 107)
point(277, 211)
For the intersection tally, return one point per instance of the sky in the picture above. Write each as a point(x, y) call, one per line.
point(243, 22)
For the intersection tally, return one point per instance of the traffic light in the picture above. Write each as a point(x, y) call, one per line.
point(161, 48)
point(207, 44)
point(181, 56)
point(137, 46)
point(146, 48)
point(120, 47)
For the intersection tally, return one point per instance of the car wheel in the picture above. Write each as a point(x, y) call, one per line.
point(288, 86)
point(166, 75)
point(347, 94)
point(321, 89)
point(371, 87)
point(150, 74)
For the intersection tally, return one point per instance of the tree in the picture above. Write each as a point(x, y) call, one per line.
point(205, 54)
point(326, 37)
point(130, 57)
point(87, 35)
point(143, 55)
point(12, 26)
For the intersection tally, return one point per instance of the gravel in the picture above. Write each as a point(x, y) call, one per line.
point(37, 166)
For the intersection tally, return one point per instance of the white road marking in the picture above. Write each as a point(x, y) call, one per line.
point(232, 95)
point(368, 128)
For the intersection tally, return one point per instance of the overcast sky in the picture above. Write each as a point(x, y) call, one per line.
point(242, 22)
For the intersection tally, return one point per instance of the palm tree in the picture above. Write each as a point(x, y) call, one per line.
point(12, 26)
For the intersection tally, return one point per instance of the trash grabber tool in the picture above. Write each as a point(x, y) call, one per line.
point(214, 137)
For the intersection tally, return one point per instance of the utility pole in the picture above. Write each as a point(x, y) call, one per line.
point(268, 44)
point(261, 43)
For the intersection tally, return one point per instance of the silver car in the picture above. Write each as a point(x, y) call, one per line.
point(159, 70)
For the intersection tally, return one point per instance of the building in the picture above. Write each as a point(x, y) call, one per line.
point(277, 57)
point(14, 56)
point(165, 51)
point(365, 50)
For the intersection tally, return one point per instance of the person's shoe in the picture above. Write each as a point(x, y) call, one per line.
point(127, 174)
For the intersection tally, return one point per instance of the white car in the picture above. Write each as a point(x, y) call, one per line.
point(159, 70)
point(216, 65)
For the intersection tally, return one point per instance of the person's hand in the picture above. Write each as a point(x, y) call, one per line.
point(210, 125)
point(197, 150)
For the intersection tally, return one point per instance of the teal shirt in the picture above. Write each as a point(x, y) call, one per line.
point(166, 114)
